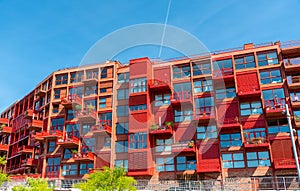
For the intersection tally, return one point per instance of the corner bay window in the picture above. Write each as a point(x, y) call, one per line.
point(250, 108)
point(255, 159)
point(233, 160)
point(165, 164)
point(185, 163)
point(207, 132)
point(138, 140)
point(230, 140)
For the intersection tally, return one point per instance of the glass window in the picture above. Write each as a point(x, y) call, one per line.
point(181, 71)
point(295, 96)
point(69, 170)
point(201, 68)
point(138, 140)
point(165, 164)
point(61, 79)
point(53, 167)
point(203, 86)
point(123, 94)
point(277, 126)
point(243, 62)
point(233, 160)
point(102, 102)
point(250, 108)
point(138, 107)
point(182, 91)
point(186, 163)
point(51, 146)
point(274, 98)
point(86, 128)
point(297, 115)
point(84, 168)
point(270, 76)
point(70, 114)
point(255, 159)
point(67, 154)
point(92, 103)
point(230, 140)
point(122, 111)
point(104, 73)
point(122, 164)
point(56, 93)
point(122, 128)
point(121, 146)
point(207, 132)
point(76, 77)
point(265, 59)
point(105, 118)
point(183, 114)
point(89, 144)
point(164, 145)
point(124, 77)
point(228, 92)
point(91, 90)
point(204, 106)
point(162, 99)
point(55, 109)
point(223, 67)
point(138, 85)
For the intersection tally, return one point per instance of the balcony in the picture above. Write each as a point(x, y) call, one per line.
point(104, 127)
point(293, 82)
point(295, 101)
point(275, 107)
point(184, 146)
point(4, 147)
point(35, 124)
point(159, 85)
point(255, 139)
point(68, 140)
point(282, 164)
point(5, 130)
point(292, 65)
point(40, 93)
point(28, 114)
point(25, 149)
point(229, 123)
point(204, 114)
point(87, 115)
point(54, 132)
point(290, 49)
point(85, 157)
point(91, 79)
point(29, 162)
point(39, 136)
point(4, 121)
point(208, 165)
point(224, 74)
point(161, 130)
point(70, 101)
point(179, 98)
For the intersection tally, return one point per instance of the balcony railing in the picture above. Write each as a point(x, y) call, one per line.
point(222, 72)
point(275, 107)
point(28, 114)
point(90, 79)
point(4, 121)
point(5, 130)
point(88, 156)
point(255, 138)
point(283, 163)
point(290, 43)
point(293, 81)
point(181, 97)
point(229, 122)
point(71, 100)
point(102, 129)
point(25, 149)
point(158, 84)
point(55, 131)
point(29, 162)
point(204, 113)
point(184, 146)
point(35, 124)
point(68, 139)
point(87, 115)
point(292, 62)
point(40, 92)
point(3, 147)
point(164, 129)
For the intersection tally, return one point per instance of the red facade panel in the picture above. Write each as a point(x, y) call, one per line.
point(247, 82)
point(141, 67)
point(228, 112)
point(138, 122)
point(138, 99)
point(162, 74)
point(184, 133)
point(248, 123)
point(282, 149)
point(164, 115)
point(138, 161)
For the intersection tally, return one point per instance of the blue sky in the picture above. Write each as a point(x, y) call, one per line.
point(38, 37)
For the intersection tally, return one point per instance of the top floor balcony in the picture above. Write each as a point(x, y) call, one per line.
point(292, 65)
point(40, 92)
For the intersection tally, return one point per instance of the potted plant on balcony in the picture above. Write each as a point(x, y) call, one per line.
point(75, 153)
point(169, 124)
point(191, 144)
point(257, 140)
point(153, 127)
point(77, 107)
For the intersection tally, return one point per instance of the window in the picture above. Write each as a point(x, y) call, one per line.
point(183, 114)
point(121, 146)
point(57, 124)
point(203, 86)
point(76, 91)
point(86, 128)
point(163, 145)
point(53, 167)
point(228, 92)
point(70, 114)
point(223, 67)
point(124, 77)
point(265, 59)
point(61, 79)
point(69, 170)
point(295, 96)
point(89, 144)
point(122, 111)
point(274, 98)
point(230, 140)
point(122, 128)
point(250, 134)
point(55, 109)
point(92, 74)
point(201, 68)
point(72, 130)
point(270, 76)
point(68, 153)
point(244, 62)
point(138, 85)
point(297, 115)
point(104, 73)
point(181, 71)
point(76, 77)
point(204, 106)
point(92, 103)
point(107, 142)
point(278, 126)
point(84, 168)
point(250, 108)
point(90, 90)
point(123, 94)
point(51, 146)
point(105, 118)
point(233, 160)
point(122, 164)
point(207, 132)
point(138, 140)
point(186, 163)
point(162, 100)
point(165, 164)
point(138, 107)
point(255, 159)
point(182, 91)
point(56, 93)
point(102, 102)
point(103, 90)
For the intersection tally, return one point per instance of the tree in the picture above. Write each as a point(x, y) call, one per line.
point(3, 176)
point(108, 180)
point(34, 185)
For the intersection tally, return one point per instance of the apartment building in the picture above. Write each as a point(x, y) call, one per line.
point(211, 116)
